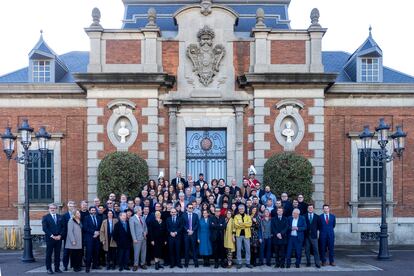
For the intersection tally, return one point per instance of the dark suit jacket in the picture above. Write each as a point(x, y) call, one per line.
point(301, 225)
point(279, 226)
point(327, 229)
point(195, 223)
point(217, 227)
point(174, 182)
point(287, 208)
point(175, 227)
point(123, 238)
point(198, 183)
point(312, 228)
point(89, 228)
point(66, 217)
point(51, 228)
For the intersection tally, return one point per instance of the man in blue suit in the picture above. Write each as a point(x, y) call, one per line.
point(52, 225)
point(296, 236)
point(174, 231)
point(91, 227)
point(311, 236)
point(327, 235)
point(191, 223)
point(123, 238)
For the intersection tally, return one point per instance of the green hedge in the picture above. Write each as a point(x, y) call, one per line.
point(121, 172)
point(289, 172)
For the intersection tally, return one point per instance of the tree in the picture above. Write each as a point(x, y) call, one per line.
point(290, 173)
point(122, 173)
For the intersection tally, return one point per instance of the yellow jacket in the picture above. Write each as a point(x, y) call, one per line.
point(228, 236)
point(239, 224)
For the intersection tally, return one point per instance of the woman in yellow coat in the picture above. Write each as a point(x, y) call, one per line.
point(229, 238)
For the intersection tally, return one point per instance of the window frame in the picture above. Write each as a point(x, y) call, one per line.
point(368, 72)
point(375, 169)
point(44, 75)
point(36, 169)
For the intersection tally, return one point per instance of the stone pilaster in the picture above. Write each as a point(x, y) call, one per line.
point(172, 113)
point(260, 128)
point(151, 128)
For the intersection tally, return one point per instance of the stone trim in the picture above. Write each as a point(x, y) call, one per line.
point(260, 129)
point(152, 130)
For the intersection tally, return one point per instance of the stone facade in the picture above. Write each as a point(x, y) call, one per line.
point(263, 72)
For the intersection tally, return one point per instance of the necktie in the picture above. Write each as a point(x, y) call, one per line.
point(190, 222)
point(140, 220)
point(327, 219)
point(125, 228)
point(110, 228)
point(54, 218)
point(310, 218)
point(94, 221)
point(174, 220)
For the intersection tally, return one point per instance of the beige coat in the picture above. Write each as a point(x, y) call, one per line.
point(74, 234)
point(103, 234)
point(228, 236)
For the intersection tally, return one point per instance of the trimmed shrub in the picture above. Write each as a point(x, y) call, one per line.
point(122, 173)
point(290, 173)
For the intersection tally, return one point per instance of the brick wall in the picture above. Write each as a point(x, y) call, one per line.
point(339, 121)
point(288, 52)
point(170, 58)
point(123, 51)
point(241, 59)
point(72, 123)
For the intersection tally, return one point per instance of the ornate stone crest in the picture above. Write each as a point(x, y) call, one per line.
point(289, 126)
point(206, 58)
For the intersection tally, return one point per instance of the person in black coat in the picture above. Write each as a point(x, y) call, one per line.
point(158, 238)
point(217, 227)
point(52, 225)
point(311, 236)
point(177, 180)
point(190, 235)
point(123, 238)
point(287, 205)
point(174, 231)
point(279, 228)
point(91, 227)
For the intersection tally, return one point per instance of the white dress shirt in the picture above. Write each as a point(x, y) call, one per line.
point(294, 224)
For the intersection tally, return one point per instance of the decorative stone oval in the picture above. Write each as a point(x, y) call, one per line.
point(289, 126)
point(122, 126)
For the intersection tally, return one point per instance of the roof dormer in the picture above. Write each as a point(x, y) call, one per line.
point(365, 64)
point(44, 64)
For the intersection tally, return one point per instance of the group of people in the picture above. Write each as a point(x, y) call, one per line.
point(190, 219)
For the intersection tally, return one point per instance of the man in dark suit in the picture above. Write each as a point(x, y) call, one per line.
point(66, 217)
point(123, 238)
point(217, 227)
point(279, 228)
point(53, 227)
point(327, 235)
point(311, 236)
point(174, 229)
point(287, 205)
point(296, 236)
point(200, 182)
point(177, 180)
point(191, 224)
point(91, 228)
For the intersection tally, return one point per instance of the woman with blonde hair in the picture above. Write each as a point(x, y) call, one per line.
point(74, 241)
point(158, 238)
point(229, 238)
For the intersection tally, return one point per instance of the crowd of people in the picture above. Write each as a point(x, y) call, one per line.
point(183, 219)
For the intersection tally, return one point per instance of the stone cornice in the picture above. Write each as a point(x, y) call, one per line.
point(37, 88)
point(145, 79)
point(371, 88)
point(272, 79)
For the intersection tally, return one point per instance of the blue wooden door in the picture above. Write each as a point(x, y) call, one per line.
point(206, 153)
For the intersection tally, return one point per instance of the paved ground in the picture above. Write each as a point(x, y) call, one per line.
point(350, 261)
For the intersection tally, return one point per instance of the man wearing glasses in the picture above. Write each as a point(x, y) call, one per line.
point(52, 225)
point(191, 224)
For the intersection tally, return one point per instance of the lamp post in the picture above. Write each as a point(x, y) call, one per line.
point(398, 138)
point(8, 147)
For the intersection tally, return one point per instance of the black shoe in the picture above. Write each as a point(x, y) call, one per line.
point(297, 265)
point(88, 270)
point(216, 265)
point(127, 268)
point(49, 271)
point(179, 266)
point(239, 266)
point(120, 269)
point(171, 266)
point(57, 270)
point(108, 268)
point(318, 266)
point(196, 264)
point(186, 265)
point(277, 265)
point(249, 266)
point(288, 266)
point(268, 264)
point(282, 266)
point(144, 267)
point(308, 264)
point(65, 268)
point(160, 266)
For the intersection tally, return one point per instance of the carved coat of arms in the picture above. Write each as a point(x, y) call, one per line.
point(206, 58)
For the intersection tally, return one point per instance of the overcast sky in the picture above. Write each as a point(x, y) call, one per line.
point(62, 22)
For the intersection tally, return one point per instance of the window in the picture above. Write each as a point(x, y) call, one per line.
point(40, 178)
point(369, 177)
point(369, 69)
point(41, 71)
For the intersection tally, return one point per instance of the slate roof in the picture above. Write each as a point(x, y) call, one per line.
point(135, 16)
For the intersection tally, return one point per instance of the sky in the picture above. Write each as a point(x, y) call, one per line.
point(347, 21)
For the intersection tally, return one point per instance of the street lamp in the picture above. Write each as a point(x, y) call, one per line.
point(398, 138)
point(8, 147)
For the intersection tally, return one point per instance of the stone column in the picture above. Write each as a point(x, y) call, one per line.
point(239, 165)
point(262, 51)
point(95, 54)
point(151, 128)
point(260, 129)
point(173, 139)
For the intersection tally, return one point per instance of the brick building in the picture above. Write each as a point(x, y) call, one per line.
point(212, 87)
